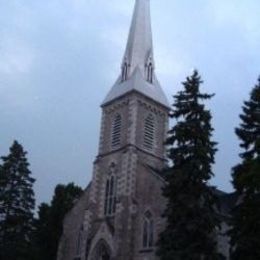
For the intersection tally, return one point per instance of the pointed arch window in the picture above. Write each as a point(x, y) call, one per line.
point(124, 71)
point(101, 251)
point(148, 231)
point(79, 242)
point(149, 132)
point(150, 72)
point(110, 196)
point(116, 131)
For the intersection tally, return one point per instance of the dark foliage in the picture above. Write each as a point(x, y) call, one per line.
point(191, 215)
point(16, 205)
point(245, 233)
point(50, 220)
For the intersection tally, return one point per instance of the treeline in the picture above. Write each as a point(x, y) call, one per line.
point(192, 215)
point(22, 235)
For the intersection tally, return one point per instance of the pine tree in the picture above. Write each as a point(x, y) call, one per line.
point(245, 232)
point(191, 218)
point(49, 225)
point(41, 243)
point(16, 205)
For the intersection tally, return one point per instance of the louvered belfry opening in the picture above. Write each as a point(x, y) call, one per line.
point(116, 131)
point(149, 131)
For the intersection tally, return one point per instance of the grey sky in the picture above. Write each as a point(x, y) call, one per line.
point(59, 58)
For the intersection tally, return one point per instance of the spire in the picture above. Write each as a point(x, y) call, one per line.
point(139, 49)
point(138, 62)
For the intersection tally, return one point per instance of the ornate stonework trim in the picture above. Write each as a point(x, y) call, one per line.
point(116, 104)
point(103, 234)
point(133, 91)
point(152, 108)
point(129, 146)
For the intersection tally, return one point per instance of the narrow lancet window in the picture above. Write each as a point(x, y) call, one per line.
point(149, 131)
point(79, 242)
point(124, 71)
point(150, 73)
point(116, 131)
point(110, 196)
point(148, 231)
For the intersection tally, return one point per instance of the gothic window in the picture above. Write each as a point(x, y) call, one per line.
point(150, 72)
point(124, 71)
point(101, 251)
point(116, 131)
point(79, 242)
point(110, 196)
point(149, 131)
point(148, 230)
point(104, 254)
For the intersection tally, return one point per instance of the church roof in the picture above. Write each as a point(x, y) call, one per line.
point(138, 83)
point(138, 55)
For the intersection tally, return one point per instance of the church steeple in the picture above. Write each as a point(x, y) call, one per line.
point(139, 49)
point(118, 212)
point(137, 70)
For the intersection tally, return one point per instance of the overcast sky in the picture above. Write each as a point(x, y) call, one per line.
point(59, 58)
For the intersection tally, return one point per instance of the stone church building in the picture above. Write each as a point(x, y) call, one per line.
point(119, 215)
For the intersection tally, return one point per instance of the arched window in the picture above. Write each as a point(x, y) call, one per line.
point(148, 230)
point(124, 71)
point(110, 196)
point(116, 131)
point(101, 251)
point(79, 241)
point(150, 72)
point(149, 131)
point(104, 254)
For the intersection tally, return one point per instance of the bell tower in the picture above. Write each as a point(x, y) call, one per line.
point(123, 204)
point(135, 92)
point(133, 130)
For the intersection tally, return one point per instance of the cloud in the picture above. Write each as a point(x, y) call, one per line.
point(237, 14)
point(15, 57)
point(16, 53)
point(170, 63)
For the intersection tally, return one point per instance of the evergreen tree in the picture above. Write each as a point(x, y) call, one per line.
point(41, 244)
point(49, 225)
point(191, 218)
point(245, 232)
point(16, 205)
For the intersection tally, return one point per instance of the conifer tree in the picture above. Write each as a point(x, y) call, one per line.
point(191, 218)
point(49, 225)
point(245, 232)
point(16, 205)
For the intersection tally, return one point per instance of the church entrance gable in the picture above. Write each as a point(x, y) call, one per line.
point(101, 251)
point(101, 247)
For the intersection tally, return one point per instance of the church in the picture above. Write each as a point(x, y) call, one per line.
point(119, 215)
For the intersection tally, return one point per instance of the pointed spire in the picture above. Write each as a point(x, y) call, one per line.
point(138, 62)
point(139, 49)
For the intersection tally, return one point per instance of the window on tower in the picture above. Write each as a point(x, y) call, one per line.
point(148, 230)
point(110, 196)
point(79, 242)
point(116, 131)
point(124, 71)
point(150, 72)
point(149, 132)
